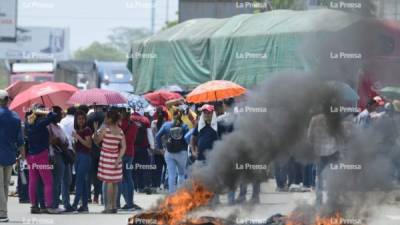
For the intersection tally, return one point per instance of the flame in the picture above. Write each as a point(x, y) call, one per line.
point(299, 219)
point(176, 206)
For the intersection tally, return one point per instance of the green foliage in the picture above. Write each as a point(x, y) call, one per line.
point(99, 51)
point(170, 24)
point(282, 4)
point(123, 37)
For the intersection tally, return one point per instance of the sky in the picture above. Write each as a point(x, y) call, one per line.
point(91, 20)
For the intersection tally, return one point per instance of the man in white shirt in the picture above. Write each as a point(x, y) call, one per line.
point(67, 124)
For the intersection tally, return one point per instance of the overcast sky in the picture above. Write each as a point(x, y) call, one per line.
point(91, 20)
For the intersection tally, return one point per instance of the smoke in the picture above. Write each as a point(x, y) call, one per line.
point(275, 117)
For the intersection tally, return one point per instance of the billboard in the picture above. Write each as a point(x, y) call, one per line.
point(8, 20)
point(38, 43)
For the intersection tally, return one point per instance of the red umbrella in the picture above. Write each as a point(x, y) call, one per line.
point(47, 93)
point(96, 96)
point(159, 98)
point(19, 86)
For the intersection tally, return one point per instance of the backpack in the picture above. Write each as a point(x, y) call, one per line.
point(176, 140)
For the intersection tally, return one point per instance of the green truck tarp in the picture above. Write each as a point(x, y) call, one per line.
point(244, 49)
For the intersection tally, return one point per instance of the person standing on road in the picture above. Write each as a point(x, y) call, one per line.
point(112, 151)
point(11, 140)
point(176, 155)
point(125, 188)
point(83, 144)
point(58, 145)
point(67, 125)
point(40, 167)
point(325, 134)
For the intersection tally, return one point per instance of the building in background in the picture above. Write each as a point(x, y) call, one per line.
point(37, 43)
point(388, 9)
point(192, 9)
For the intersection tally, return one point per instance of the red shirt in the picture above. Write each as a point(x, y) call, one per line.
point(144, 123)
point(130, 130)
point(79, 147)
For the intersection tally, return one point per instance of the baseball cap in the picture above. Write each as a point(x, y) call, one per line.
point(379, 100)
point(3, 94)
point(208, 108)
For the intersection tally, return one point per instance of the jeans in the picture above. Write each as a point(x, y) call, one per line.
point(281, 173)
point(323, 162)
point(40, 169)
point(294, 172)
point(82, 167)
point(22, 189)
point(176, 165)
point(141, 176)
point(65, 183)
point(93, 178)
point(126, 186)
point(157, 174)
point(309, 175)
point(256, 191)
point(58, 176)
point(5, 176)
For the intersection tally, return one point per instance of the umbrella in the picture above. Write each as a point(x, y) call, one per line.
point(345, 91)
point(19, 86)
point(391, 92)
point(173, 88)
point(135, 102)
point(160, 97)
point(47, 93)
point(214, 91)
point(96, 96)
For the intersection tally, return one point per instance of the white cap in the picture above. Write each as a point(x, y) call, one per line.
point(3, 94)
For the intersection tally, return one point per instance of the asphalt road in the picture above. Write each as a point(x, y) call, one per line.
point(271, 203)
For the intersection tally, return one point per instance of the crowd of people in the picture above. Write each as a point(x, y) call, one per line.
point(102, 154)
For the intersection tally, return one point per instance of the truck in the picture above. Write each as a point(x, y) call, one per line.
point(30, 70)
point(87, 74)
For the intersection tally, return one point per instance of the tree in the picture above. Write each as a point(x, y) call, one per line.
point(289, 4)
point(99, 51)
point(123, 37)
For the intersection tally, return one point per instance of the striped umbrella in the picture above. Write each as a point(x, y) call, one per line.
point(96, 96)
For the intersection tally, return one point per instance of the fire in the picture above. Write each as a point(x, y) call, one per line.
point(176, 206)
point(299, 219)
point(174, 209)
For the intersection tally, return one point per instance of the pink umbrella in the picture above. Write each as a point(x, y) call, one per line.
point(159, 98)
point(19, 86)
point(47, 93)
point(96, 96)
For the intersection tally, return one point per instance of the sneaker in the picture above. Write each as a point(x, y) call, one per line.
point(4, 219)
point(113, 211)
point(52, 211)
point(126, 207)
point(69, 210)
point(35, 210)
point(136, 207)
point(83, 209)
point(43, 210)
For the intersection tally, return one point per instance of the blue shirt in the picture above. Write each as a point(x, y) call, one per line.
point(165, 129)
point(205, 139)
point(11, 137)
point(38, 135)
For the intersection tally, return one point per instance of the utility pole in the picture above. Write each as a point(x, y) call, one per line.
point(167, 12)
point(153, 16)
